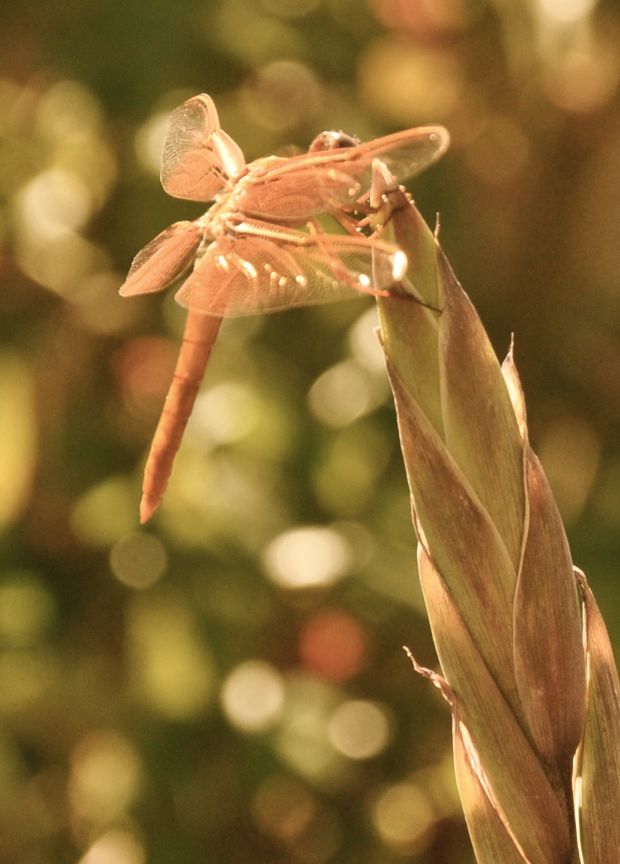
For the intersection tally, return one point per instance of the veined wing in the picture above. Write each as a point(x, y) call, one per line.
point(162, 260)
point(266, 268)
point(293, 190)
point(198, 157)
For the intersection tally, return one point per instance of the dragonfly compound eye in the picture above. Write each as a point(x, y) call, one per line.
point(333, 140)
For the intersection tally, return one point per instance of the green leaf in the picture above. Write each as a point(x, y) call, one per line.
point(465, 545)
point(492, 840)
point(549, 656)
point(518, 784)
point(480, 424)
point(600, 750)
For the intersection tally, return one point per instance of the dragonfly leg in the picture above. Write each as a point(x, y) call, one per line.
point(339, 269)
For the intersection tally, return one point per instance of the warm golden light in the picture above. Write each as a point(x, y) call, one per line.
point(567, 10)
point(359, 729)
point(283, 94)
point(106, 776)
point(149, 139)
point(301, 736)
point(138, 560)
point(53, 201)
point(252, 696)
point(344, 393)
point(226, 413)
point(364, 343)
point(170, 665)
point(18, 435)
point(105, 512)
point(228, 683)
point(115, 847)
point(60, 263)
point(402, 815)
point(307, 557)
point(408, 83)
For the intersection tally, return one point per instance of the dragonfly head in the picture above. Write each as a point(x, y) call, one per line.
point(332, 140)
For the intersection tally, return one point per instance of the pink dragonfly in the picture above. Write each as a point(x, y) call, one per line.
point(246, 254)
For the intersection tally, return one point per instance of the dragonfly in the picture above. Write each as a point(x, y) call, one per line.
point(260, 246)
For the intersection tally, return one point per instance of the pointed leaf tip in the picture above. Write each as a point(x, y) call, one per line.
point(515, 391)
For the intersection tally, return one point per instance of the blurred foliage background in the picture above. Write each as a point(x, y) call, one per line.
point(228, 685)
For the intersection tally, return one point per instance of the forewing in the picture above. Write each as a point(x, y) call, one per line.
point(281, 268)
point(162, 260)
point(406, 153)
point(198, 157)
point(293, 190)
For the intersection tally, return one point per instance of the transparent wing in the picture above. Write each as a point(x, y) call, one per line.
point(162, 260)
point(198, 157)
point(267, 268)
point(295, 189)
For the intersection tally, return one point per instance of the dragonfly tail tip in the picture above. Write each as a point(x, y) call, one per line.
point(147, 507)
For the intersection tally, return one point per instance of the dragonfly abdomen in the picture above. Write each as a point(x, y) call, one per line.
point(198, 338)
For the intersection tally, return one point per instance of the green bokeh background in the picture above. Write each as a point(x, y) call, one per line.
point(128, 710)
